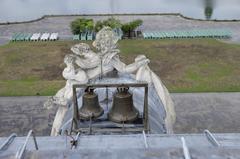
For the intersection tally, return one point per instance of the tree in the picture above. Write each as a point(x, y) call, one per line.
point(111, 22)
point(208, 9)
point(81, 25)
point(127, 28)
point(98, 26)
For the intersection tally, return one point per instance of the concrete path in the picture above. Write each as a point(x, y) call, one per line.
point(150, 22)
point(4, 40)
point(218, 112)
point(20, 114)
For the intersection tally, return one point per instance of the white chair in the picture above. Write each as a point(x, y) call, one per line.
point(35, 37)
point(45, 37)
point(54, 36)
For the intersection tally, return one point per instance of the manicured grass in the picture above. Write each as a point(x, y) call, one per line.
point(32, 88)
point(186, 65)
point(190, 65)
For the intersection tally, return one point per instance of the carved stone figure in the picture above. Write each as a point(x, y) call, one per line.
point(84, 65)
point(85, 58)
point(106, 59)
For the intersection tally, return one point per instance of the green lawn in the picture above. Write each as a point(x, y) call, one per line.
point(187, 65)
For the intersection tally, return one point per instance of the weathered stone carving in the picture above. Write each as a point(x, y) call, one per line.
point(84, 65)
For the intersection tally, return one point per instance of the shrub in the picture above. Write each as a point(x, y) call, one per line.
point(111, 22)
point(81, 25)
point(98, 26)
point(131, 26)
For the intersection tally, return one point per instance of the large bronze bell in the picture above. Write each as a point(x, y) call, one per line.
point(123, 109)
point(90, 105)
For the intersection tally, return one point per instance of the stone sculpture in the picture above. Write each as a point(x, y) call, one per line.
point(84, 65)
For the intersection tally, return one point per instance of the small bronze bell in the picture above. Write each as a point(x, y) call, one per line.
point(90, 107)
point(123, 109)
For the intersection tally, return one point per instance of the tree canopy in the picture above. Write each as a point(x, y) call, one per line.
point(111, 22)
point(81, 25)
point(131, 26)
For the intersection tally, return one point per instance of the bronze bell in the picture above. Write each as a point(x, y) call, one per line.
point(123, 109)
point(90, 105)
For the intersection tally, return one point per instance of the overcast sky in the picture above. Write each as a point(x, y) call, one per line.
point(18, 10)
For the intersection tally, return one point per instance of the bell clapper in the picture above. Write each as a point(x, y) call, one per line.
point(107, 96)
point(123, 127)
point(90, 123)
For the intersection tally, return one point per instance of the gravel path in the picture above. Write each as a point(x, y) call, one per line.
point(151, 22)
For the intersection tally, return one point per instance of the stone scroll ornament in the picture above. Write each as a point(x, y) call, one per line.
point(84, 65)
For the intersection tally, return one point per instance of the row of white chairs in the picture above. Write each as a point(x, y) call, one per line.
point(44, 36)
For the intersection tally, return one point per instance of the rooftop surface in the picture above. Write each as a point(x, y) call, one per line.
point(198, 146)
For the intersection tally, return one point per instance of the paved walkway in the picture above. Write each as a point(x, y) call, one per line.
point(218, 112)
point(20, 114)
point(150, 22)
